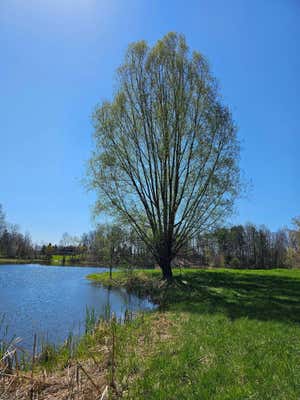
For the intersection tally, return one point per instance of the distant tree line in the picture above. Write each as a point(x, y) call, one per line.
point(247, 246)
point(239, 246)
point(14, 244)
point(115, 245)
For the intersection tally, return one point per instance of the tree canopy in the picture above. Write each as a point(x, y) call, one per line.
point(166, 150)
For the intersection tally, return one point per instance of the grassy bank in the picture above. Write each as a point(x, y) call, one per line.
point(223, 334)
point(20, 261)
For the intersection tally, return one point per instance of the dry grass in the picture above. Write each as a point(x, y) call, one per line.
point(97, 376)
point(84, 381)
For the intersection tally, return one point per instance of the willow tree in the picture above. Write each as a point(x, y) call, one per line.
point(165, 158)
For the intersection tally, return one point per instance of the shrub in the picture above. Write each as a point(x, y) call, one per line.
point(235, 263)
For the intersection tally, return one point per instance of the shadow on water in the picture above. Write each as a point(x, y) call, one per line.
point(263, 297)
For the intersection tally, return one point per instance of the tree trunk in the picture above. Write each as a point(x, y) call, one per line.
point(166, 269)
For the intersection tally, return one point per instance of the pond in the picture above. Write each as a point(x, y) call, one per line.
point(51, 301)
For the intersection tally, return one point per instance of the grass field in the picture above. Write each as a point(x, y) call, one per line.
point(218, 334)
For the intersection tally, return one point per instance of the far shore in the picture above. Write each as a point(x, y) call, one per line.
point(13, 261)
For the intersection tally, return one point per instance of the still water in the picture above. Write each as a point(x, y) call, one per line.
point(51, 301)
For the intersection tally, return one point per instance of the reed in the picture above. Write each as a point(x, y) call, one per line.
point(90, 320)
point(75, 361)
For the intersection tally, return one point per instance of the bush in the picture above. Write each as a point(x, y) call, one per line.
point(235, 263)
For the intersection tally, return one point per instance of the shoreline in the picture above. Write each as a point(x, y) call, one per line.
point(15, 261)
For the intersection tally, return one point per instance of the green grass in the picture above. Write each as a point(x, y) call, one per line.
point(18, 261)
point(58, 259)
point(219, 334)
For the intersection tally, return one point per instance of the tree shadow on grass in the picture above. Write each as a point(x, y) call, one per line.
point(263, 297)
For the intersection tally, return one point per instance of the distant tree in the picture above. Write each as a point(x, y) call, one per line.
point(15, 244)
point(296, 232)
point(251, 238)
point(2, 220)
point(49, 250)
point(247, 246)
point(166, 148)
point(293, 251)
point(263, 247)
point(113, 241)
point(2, 229)
point(279, 248)
point(238, 243)
point(68, 240)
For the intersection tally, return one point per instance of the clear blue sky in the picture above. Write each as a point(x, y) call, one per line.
point(58, 59)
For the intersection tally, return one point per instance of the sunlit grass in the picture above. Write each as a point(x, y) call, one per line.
point(224, 334)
